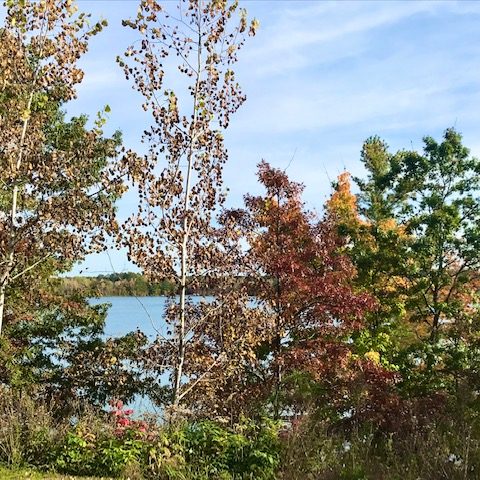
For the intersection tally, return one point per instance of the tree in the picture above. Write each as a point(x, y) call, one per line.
point(377, 245)
point(303, 279)
point(57, 186)
point(56, 349)
point(173, 236)
point(416, 248)
point(440, 208)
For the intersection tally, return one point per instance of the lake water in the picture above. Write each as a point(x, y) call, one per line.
point(127, 314)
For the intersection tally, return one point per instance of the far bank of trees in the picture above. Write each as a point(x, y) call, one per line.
point(128, 284)
point(114, 285)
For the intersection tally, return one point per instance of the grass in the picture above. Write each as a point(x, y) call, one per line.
point(26, 474)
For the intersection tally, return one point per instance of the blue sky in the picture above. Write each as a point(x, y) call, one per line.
point(320, 78)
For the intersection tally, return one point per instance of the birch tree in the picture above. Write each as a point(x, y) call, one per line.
point(173, 234)
point(57, 186)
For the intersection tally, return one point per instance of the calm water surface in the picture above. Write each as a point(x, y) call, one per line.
point(127, 314)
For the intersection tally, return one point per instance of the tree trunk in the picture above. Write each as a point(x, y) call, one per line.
point(2, 305)
point(13, 212)
point(278, 338)
point(184, 249)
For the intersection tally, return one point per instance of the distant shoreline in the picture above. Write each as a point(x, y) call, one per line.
point(127, 284)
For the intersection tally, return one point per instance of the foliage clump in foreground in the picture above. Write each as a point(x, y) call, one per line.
point(115, 444)
point(118, 445)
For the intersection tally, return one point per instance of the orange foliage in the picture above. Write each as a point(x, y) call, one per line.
point(342, 205)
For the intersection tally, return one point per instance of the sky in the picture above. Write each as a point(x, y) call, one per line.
point(320, 77)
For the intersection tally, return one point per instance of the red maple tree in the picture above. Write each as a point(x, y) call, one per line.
point(301, 278)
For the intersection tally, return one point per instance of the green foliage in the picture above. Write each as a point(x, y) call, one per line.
point(415, 246)
point(77, 455)
point(115, 284)
point(84, 454)
point(30, 474)
point(380, 340)
point(206, 450)
point(249, 451)
point(197, 450)
point(60, 349)
point(88, 442)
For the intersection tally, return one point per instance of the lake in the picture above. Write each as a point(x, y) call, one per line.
point(127, 314)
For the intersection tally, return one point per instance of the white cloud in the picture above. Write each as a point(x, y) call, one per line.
point(294, 39)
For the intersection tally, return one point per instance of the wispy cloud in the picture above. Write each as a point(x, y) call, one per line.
point(308, 36)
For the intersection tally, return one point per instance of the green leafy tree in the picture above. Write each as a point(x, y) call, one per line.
point(416, 248)
point(377, 244)
point(439, 206)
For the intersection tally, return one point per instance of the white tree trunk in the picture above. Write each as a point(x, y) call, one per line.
point(13, 213)
point(184, 248)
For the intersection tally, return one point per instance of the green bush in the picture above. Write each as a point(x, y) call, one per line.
point(29, 432)
point(77, 455)
point(197, 450)
point(107, 456)
point(208, 450)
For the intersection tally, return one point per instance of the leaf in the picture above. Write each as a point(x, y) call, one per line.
point(25, 115)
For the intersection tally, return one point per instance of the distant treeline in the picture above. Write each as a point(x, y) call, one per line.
point(116, 285)
point(124, 285)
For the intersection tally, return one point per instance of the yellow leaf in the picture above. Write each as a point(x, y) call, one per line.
point(25, 115)
point(373, 356)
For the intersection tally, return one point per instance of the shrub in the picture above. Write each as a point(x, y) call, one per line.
point(29, 432)
point(208, 450)
point(447, 448)
point(104, 446)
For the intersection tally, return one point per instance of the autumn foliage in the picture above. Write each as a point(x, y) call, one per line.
point(301, 279)
point(361, 322)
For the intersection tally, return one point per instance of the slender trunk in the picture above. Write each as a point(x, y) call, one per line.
point(436, 308)
point(2, 304)
point(277, 378)
point(278, 338)
point(436, 293)
point(277, 345)
point(186, 226)
point(435, 327)
point(13, 214)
